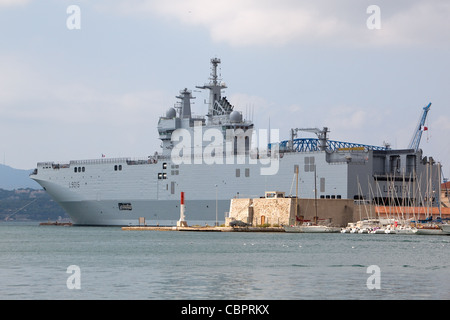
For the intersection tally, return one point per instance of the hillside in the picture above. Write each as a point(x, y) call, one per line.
point(29, 204)
point(11, 178)
point(21, 198)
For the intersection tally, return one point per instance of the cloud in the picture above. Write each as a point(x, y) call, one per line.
point(419, 23)
point(10, 3)
point(65, 119)
point(347, 118)
point(243, 23)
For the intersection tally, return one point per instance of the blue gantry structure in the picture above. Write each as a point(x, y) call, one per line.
point(323, 144)
point(314, 144)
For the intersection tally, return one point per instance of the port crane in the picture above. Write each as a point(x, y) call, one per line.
point(321, 143)
point(321, 134)
point(415, 141)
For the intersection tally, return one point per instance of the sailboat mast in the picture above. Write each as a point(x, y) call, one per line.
point(439, 194)
point(296, 192)
point(315, 192)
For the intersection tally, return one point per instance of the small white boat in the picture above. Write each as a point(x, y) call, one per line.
point(379, 231)
point(445, 228)
point(390, 231)
point(311, 229)
point(429, 231)
point(405, 230)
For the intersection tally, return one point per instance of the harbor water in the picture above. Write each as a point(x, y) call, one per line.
point(37, 262)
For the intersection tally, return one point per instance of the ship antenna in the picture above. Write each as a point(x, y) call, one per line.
point(214, 63)
point(214, 86)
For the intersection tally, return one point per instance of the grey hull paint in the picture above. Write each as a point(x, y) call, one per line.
point(155, 212)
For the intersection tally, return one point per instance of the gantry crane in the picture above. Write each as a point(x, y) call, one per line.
point(415, 141)
point(321, 134)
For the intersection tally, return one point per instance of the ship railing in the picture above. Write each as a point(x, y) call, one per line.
point(129, 161)
point(99, 161)
point(52, 165)
point(153, 159)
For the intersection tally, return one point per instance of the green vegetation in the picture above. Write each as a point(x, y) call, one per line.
point(265, 225)
point(29, 204)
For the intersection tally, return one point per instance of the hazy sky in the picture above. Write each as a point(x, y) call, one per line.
point(69, 93)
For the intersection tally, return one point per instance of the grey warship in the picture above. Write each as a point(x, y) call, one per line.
point(219, 156)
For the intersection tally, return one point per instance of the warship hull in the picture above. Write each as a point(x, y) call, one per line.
point(220, 156)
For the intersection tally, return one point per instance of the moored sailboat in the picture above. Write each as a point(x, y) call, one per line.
point(445, 228)
point(429, 230)
point(310, 228)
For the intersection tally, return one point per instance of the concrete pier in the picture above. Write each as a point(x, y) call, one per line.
point(205, 229)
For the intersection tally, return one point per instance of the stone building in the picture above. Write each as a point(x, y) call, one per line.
point(275, 209)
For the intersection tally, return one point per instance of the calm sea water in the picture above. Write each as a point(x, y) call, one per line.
point(117, 264)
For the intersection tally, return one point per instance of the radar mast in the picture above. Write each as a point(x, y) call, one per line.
point(214, 86)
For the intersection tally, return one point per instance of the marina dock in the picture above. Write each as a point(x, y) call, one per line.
point(55, 223)
point(205, 229)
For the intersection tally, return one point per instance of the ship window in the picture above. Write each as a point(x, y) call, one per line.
point(247, 172)
point(120, 167)
point(162, 175)
point(238, 173)
point(78, 169)
point(164, 166)
point(125, 206)
point(310, 165)
point(115, 167)
point(338, 196)
point(322, 184)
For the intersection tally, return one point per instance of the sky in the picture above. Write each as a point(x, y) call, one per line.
point(79, 84)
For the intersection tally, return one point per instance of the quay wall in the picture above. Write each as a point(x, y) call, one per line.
point(282, 211)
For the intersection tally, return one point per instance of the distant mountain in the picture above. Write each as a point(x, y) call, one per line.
point(11, 178)
point(28, 204)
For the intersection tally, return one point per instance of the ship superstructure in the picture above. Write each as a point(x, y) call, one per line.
point(219, 156)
